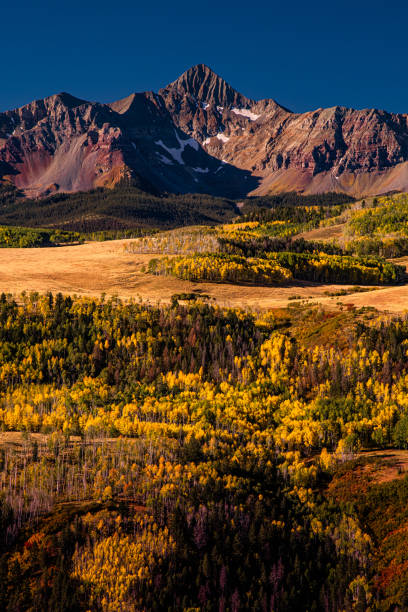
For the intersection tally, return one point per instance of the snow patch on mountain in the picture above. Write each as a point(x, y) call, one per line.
point(245, 113)
point(164, 160)
point(176, 154)
point(222, 137)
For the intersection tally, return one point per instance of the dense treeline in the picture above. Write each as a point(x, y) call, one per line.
point(277, 268)
point(8, 194)
point(222, 268)
point(128, 207)
point(255, 245)
point(20, 237)
point(383, 247)
point(293, 199)
point(61, 341)
point(388, 216)
point(294, 213)
point(124, 207)
point(324, 268)
point(260, 246)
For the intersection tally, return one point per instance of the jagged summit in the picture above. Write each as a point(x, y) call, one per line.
point(62, 98)
point(68, 99)
point(203, 84)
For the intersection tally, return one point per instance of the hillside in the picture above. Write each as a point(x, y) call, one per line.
point(280, 252)
point(123, 207)
point(177, 456)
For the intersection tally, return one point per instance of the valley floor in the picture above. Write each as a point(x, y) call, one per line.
point(105, 267)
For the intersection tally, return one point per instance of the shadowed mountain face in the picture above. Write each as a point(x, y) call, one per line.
point(199, 135)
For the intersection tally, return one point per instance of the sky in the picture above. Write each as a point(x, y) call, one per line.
point(305, 55)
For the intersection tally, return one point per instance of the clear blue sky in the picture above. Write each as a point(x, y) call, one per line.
point(303, 54)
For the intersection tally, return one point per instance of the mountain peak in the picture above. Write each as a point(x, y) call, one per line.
point(203, 84)
point(200, 71)
point(68, 99)
point(200, 68)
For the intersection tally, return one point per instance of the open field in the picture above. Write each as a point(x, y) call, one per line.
point(331, 232)
point(105, 267)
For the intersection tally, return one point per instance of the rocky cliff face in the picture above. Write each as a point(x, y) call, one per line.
point(199, 135)
point(60, 143)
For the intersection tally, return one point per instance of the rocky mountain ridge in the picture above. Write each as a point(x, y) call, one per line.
point(200, 135)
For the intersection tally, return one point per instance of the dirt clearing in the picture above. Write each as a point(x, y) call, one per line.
point(389, 464)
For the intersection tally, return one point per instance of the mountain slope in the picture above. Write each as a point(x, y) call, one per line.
point(64, 144)
point(198, 134)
